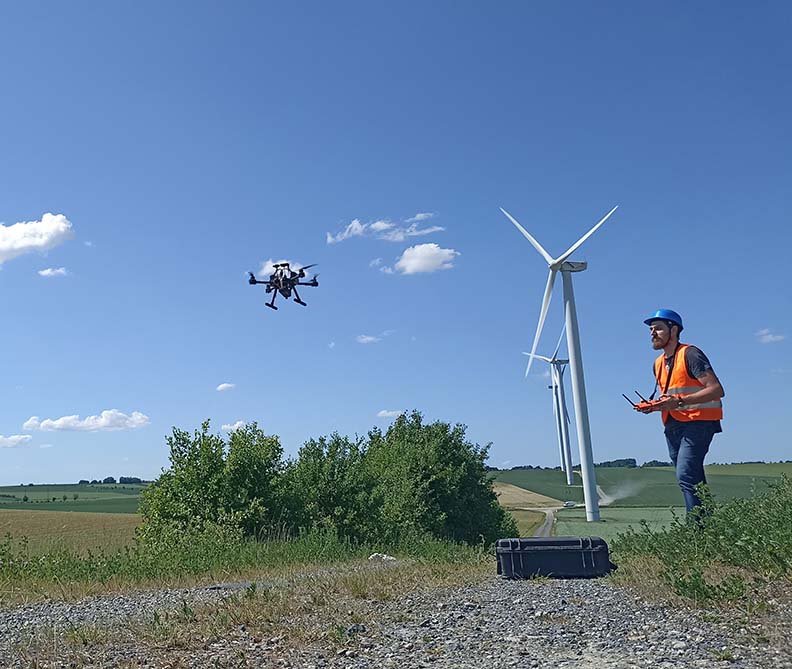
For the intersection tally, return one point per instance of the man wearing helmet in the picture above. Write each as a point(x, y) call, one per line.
point(689, 401)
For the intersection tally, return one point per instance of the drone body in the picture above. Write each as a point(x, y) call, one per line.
point(284, 281)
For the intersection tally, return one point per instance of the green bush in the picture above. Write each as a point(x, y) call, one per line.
point(232, 485)
point(329, 486)
point(430, 479)
point(416, 479)
point(751, 537)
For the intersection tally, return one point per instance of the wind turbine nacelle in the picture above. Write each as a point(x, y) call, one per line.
point(573, 266)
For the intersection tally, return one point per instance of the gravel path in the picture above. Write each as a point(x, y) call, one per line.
point(587, 624)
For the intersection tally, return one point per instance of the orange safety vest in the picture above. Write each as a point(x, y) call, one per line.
point(681, 383)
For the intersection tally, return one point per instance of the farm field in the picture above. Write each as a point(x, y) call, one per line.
point(521, 504)
point(48, 531)
point(513, 497)
point(97, 498)
point(572, 522)
point(647, 486)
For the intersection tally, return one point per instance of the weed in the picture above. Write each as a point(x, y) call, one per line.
point(724, 553)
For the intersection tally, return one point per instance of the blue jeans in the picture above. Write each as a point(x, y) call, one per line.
point(688, 443)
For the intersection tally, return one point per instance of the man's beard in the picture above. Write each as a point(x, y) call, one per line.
point(658, 343)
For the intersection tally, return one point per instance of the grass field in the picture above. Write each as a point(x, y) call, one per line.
point(572, 522)
point(47, 531)
point(647, 486)
point(97, 498)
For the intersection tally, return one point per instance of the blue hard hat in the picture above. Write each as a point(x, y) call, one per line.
point(666, 315)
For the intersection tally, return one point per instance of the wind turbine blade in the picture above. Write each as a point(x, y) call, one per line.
point(577, 244)
point(558, 345)
point(540, 357)
point(563, 395)
point(548, 294)
point(536, 244)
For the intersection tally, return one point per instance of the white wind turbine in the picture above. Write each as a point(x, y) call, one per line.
point(573, 345)
point(557, 367)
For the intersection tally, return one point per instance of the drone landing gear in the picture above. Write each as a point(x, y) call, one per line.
point(271, 306)
point(297, 298)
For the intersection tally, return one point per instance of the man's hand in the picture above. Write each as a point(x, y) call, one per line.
point(663, 403)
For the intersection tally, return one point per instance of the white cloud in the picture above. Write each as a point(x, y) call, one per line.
point(425, 258)
point(46, 445)
point(108, 420)
point(31, 236)
point(354, 229)
point(384, 229)
point(268, 267)
point(14, 440)
point(51, 271)
point(230, 427)
point(225, 386)
point(88, 244)
point(376, 262)
point(331, 345)
point(766, 337)
point(388, 414)
point(400, 234)
point(370, 339)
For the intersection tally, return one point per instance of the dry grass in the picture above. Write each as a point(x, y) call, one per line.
point(51, 530)
point(527, 521)
point(308, 607)
point(512, 497)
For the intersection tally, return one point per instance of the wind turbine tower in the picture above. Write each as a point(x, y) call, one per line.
point(575, 357)
point(557, 367)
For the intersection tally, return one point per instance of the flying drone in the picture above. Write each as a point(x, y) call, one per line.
point(285, 280)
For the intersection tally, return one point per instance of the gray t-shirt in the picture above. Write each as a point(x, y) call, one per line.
point(697, 365)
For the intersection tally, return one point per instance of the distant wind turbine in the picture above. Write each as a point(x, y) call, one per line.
point(557, 367)
point(573, 345)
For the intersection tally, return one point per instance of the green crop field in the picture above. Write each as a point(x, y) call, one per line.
point(613, 520)
point(647, 486)
point(96, 498)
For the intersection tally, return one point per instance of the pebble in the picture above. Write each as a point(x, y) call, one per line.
point(574, 624)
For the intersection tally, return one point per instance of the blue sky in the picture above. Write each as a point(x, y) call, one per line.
point(179, 145)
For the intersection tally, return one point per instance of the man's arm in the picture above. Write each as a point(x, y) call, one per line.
point(712, 390)
point(699, 367)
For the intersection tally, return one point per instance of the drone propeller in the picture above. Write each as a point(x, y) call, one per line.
point(308, 266)
point(252, 278)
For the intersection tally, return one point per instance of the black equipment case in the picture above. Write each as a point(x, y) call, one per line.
point(556, 557)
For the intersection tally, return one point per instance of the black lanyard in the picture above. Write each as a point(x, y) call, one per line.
point(668, 378)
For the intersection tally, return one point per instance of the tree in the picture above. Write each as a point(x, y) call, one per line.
point(109, 479)
point(203, 485)
point(432, 480)
point(328, 485)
